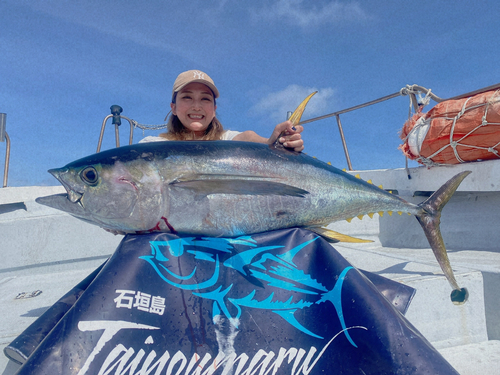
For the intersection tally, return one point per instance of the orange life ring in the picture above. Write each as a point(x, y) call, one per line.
point(455, 131)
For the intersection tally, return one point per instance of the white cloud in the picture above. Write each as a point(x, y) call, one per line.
point(309, 14)
point(275, 105)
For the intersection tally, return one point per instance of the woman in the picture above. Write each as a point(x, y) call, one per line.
point(193, 116)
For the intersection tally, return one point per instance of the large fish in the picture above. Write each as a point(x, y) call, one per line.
point(228, 189)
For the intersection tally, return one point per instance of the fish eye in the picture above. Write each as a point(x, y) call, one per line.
point(89, 175)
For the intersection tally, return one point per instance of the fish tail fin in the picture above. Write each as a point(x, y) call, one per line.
point(429, 218)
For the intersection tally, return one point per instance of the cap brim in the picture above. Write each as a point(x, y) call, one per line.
point(208, 84)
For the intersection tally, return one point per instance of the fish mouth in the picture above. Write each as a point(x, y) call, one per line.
point(75, 197)
point(72, 195)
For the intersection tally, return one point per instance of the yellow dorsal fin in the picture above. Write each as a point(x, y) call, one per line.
point(336, 236)
point(371, 215)
point(297, 114)
point(381, 213)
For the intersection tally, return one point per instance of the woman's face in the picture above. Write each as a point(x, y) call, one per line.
point(195, 107)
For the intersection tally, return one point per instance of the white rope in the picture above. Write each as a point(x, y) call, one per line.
point(425, 100)
point(412, 91)
point(427, 162)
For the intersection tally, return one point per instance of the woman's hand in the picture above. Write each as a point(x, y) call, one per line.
point(290, 138)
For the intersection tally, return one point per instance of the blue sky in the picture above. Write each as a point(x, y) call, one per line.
point(64, 63)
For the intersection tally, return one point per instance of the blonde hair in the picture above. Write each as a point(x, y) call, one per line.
point(178, 132)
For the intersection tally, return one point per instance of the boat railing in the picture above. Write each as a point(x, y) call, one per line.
point(4, 137)
point(339, 123)
point(419, 97)
point(116, 111)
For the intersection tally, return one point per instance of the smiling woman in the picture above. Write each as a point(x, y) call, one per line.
point(195, 107)
point(193, 116)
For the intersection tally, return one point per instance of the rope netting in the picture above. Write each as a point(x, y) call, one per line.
point(454, 131)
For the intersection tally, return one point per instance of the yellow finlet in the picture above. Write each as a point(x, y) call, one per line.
point(390, 213)
point(329, 163)
point(381, 187)
point(381, 213)
point(349, 220)
point(400, 213)
point(360, 217)
point(297, 114)
point(336, 236)
point(344, 170)
point(370, 182)
point(371, 215)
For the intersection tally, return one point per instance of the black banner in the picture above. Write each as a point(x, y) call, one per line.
point(282, 302)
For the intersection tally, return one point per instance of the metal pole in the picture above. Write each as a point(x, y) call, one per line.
point(344, 144)
point(5, 136)
point(472, 93)
point(337, 115)
point(3, 120)
point(102, 132)
point(116, 110)
point(352, 108)
point(7, 158)
point(131, 137)
point(117, 135)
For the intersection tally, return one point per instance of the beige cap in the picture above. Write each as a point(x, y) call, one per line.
point(190, 76)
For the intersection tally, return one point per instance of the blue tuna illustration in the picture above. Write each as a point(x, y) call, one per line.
point(259, 265)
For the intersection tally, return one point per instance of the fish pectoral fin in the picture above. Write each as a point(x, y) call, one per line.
point(240, 187)
point(332, 236)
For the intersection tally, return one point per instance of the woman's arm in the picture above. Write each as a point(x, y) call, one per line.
point(291, 139)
